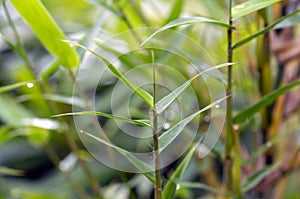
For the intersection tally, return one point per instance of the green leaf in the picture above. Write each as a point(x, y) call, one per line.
point(175, 10)
point(139, 91)
point(46, 29)
point(264, 30)
point(170, 188)
point(258, 176)
point(196, 185)
point(12, 86)
point(38, 136)
point(5, 134)
point(123, 119)
point(185, 21)
point(50, 70)
point(162, 104)
point(263, 102)
point(139, 164)
point(9, 171)
point(292, 21)
point(250, 6)
point(167, 137)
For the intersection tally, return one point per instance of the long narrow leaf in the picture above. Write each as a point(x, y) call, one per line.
point(162, 104)
point(258, 176)
point(292, 21)
point(250, 6)
point(46, 29)
point(12, 86)
point(197, 185)
point(185, 21)
point(139, 164)
point(170, 188)
point(263, 102)
point(123, 119)
point(139, 91)
point(264, 30)
point(170, 135)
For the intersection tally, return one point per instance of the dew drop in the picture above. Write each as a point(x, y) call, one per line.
point(29, 84)
point(177, 187)
point(217, 106)
point(166, 125)
point(81, 131)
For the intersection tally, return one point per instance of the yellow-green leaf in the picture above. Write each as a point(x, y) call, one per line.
point(46, 29)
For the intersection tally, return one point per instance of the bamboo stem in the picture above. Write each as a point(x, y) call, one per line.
point(229, 136)
point(157, 173)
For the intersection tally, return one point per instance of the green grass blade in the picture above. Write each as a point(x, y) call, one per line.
point(123, 119)
point(175, 10)
point(46, 29)
point(148, 99)
point(185, 21)
point(139, 164)
point(4, 89)
point(264, 30)
point(197, 185)
point(170, 188)
point(162, 104)
point(292, 21)
point(258, 176)
point(263, 102)
point(167, 137)
point(250, 6)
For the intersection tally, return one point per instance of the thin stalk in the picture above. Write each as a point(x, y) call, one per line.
point(229, 133)
point(157, 173)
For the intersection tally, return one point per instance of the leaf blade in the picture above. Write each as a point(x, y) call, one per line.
point(139, 164)
point(139, 91)
point(248, 7)
point(258, 176)
point(185, 21)
point(166, 138)
point(264, 30)
point(162, 104)
point(264, 101)
point(46, 29)
point(4, 89)
point(170, 188)
point(123, 119)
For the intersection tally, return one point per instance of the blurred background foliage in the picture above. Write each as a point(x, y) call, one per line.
point(43, 157)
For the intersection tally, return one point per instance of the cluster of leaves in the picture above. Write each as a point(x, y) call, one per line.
point(37, 95)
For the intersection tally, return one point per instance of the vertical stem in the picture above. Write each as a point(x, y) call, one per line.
point(232, 157)
point(157, 186)
point(229, 136)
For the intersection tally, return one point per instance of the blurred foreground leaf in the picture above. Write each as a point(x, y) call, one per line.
point(250, 6)
point(46, 29)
